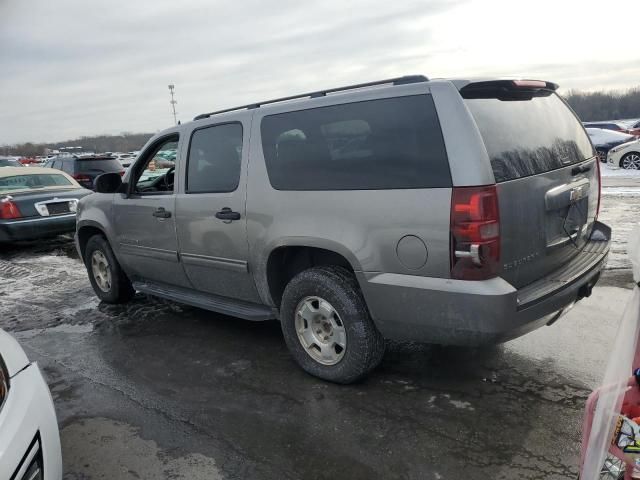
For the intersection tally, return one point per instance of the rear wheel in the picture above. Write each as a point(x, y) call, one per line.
point(631, 161)
point(107, 278)
point(327, 326)
point(602, 155)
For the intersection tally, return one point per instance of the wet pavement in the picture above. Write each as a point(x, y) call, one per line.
point(153, 389)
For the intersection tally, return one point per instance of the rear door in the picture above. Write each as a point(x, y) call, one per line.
point(546, 173)
point(210, 214)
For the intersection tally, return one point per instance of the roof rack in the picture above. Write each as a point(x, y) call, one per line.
point(321, 93)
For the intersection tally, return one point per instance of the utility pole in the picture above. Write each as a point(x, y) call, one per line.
point(173, 103)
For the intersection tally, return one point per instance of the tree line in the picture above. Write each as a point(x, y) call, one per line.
point(125, 142)
point(613, 105)
point(589, 106)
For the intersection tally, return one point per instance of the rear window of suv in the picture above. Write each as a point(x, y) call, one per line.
point(101, 165)
point(529, 136)
point(393, 143)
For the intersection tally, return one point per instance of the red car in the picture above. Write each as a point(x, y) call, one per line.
point(634, 128)
point(27, 160)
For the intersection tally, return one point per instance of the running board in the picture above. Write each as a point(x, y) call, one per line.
point(214, 303)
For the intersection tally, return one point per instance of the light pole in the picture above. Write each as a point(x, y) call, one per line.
point(173, 103)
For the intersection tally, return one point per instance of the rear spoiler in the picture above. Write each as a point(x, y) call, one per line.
point(509, 89)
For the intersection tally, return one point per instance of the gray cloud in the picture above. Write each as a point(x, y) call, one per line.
point(78, 68)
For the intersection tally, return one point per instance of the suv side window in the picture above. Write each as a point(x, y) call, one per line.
point(214, 159)
point(156, 172)
point(390, 143)
point(67, 166)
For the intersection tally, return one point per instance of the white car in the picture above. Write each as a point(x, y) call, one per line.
point(29, 438)
point(625, 156)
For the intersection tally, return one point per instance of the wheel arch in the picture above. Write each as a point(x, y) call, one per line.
point(287, 259)
point(84, 232)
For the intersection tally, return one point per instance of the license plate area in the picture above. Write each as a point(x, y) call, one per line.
point(56, 207)
point(567, 212)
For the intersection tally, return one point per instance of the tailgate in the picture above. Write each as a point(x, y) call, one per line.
point(547, 177)
point(546, 220)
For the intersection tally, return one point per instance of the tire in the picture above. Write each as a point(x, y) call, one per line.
point(631, 161)
point(118, 288)
point(602, 155)
point(310, 292)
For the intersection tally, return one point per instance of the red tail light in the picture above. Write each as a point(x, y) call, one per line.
point(82, 178)
point(530, 84)
point(475, 233)
point(9, 209)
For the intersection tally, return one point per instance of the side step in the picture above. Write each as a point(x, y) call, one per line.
point(214, 303)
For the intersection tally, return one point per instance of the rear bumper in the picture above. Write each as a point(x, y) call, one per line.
point(30, 228)
point(459, 312)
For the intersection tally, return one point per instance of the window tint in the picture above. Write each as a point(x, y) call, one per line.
point(214, 159)
point(378, 144)
point(99, 165)
point(528, 137)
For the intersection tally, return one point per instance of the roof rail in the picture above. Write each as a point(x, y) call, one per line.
point(321, 93)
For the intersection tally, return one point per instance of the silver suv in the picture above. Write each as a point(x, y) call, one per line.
point(443, 211)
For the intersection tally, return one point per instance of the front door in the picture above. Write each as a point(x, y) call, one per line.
point(144, 217)
point(210, 214)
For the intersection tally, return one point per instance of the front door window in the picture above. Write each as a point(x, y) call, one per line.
point(157, 173)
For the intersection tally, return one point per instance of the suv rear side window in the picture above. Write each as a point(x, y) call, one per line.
point(214, 159)
point(529, 136)
point(391, 143)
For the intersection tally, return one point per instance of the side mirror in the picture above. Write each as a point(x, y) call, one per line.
point(108, 183)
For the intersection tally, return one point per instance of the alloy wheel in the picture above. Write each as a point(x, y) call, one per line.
point(101, 271)
point(631, 161)
point(320, 330)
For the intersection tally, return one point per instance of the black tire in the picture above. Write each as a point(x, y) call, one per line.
point(120, 289)
point(364, 346)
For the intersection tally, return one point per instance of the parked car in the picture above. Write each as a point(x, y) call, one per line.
point(418, 210)
point(85, 169)
point(634, 127)
point(615, 126)
point(10, 162)
point(625, 156)
point(37, 202)
point(125, 159)
point(28, 161)
point(29, 438)
point(604, 140)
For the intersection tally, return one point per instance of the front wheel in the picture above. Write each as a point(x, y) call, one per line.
point(327, 326)
point(631, 161)
point(107, 278)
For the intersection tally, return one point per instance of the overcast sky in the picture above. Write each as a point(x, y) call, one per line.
point(76, 67)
